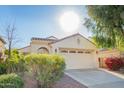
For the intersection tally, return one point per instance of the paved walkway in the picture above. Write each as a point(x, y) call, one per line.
point(95, 78)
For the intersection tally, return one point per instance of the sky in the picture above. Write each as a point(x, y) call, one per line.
point(39, 21)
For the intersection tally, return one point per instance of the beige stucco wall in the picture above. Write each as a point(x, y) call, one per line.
point(36, 44)
point(25, 49)
point(109, 53)
point(76, 60)
point(2, 46)
point(72, 42)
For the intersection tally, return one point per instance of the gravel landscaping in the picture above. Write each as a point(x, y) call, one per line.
point(64, 82)
point(68, 82)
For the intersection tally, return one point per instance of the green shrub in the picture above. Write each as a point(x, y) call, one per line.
point(15, 63)
point(47, 68)
point(2, 68)
point(11, 81)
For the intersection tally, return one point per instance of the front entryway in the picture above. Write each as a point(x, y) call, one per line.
point(95, 78)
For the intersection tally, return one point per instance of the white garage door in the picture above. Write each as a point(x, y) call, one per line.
point(75, 60)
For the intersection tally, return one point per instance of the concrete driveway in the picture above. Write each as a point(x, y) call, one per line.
point(95, 78)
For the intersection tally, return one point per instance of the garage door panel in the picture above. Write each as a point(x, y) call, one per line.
point(78, 61)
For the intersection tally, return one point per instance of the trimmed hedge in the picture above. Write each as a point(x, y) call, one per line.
point(11, 81)
point(47, 68)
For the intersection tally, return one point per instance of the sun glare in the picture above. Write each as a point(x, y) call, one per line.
point(69, 21)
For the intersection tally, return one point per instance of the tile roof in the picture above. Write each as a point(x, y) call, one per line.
point(24, 47)
point(46, 39)
point(52, 37)
point(57, 40)
point(72, 36)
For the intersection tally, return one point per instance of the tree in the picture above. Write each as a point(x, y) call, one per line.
point(107, 25)
point(11, 37)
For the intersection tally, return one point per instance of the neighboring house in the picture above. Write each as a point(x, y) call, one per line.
point(2, 46)
point(109, 53)
point(79, 52)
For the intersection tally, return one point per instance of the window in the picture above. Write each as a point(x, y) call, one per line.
point(64, 51)
point(80, 51)
point(72, 51)
point(88, 52)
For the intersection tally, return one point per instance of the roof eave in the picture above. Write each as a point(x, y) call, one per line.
point(72, 36)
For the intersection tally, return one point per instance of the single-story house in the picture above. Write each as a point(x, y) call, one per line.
point(78, 51)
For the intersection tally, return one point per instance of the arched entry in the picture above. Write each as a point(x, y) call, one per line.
point(43, 50)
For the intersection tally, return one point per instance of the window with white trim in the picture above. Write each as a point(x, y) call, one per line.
point(72, 51)
point(64, 51)
point(88, 52)
point(80, 52)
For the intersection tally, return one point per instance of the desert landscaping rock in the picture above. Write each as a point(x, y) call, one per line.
point(64, 82)
point(68, 82)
